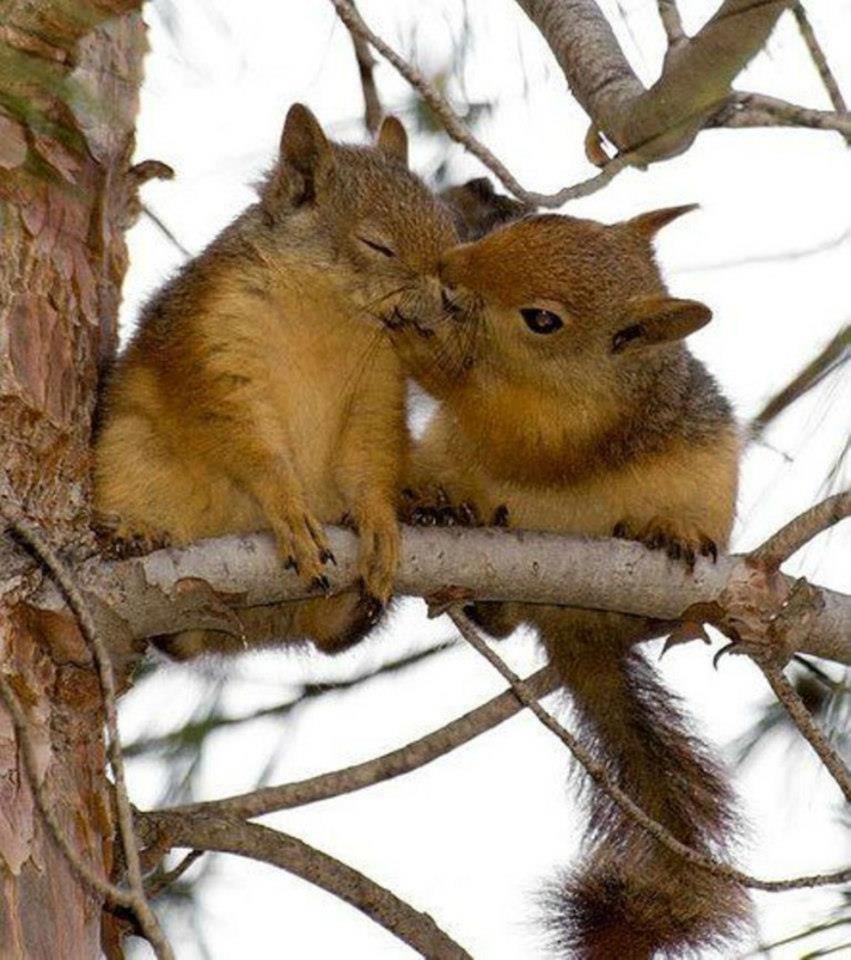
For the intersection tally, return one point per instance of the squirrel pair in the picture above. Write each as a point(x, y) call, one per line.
point(265, 388)
point(568, 402)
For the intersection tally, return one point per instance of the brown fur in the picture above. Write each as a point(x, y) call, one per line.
point(260, 390)
point(607, 423)
point(477, 208)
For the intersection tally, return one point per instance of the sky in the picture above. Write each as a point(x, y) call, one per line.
point(470, 838)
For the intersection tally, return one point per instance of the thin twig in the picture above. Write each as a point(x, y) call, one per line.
point(456, 129)
point(672, 22)
point(759, 110)
point(393, 764)
point(836, 352)
point(366, 65)
point(166, 231)
point(800, 716)
point(47, 556)
point(798, 532)
point(820, 60)
point(606, 781)
point(89, 877)
point(231, 835)
point(158, 883)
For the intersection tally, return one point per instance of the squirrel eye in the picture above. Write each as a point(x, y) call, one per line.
point(541, 321)
point(378, 247)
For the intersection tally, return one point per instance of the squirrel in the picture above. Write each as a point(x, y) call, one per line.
point(260, 390)
point(568, 402)
point(477, 208)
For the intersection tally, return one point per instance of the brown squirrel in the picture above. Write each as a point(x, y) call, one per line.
point(568, 402)
point(260, 389)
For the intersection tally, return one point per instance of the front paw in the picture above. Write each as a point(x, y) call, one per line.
point(378, 559)
point(681, 540)
point(433, 508)
point(304, 548)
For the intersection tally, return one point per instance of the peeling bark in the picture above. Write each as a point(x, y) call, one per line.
point(69, 77)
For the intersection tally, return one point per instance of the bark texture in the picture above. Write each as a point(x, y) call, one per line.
point(69, 77)
point(694, 84)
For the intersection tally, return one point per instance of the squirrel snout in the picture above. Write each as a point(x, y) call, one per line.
point(450, 302)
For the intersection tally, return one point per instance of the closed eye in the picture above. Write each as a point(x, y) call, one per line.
point(539, 320)
point(377, 247)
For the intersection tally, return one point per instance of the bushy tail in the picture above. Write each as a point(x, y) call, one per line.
point(631, 898)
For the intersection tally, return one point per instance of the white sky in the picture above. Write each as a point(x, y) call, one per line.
point(469, 838)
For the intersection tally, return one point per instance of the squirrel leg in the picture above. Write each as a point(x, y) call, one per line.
point(378, 553)
point(274, 484)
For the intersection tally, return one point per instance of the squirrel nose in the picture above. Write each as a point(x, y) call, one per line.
point(450, 302)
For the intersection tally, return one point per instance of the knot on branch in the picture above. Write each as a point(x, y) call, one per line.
point(764, 615)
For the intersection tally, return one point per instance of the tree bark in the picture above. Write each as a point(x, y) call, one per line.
point(69, 80)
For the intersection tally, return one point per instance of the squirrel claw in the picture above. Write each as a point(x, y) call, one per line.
point(371, 606)
point(726, 649)
point(321, 583)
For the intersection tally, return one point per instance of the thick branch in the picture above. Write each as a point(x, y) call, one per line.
point(662, 121)
point(594, 65)
point(204, 584)
point(230, 835)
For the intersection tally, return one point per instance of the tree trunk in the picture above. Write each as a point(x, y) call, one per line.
point(69, 79)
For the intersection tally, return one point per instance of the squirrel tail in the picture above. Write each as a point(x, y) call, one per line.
point(630, 897)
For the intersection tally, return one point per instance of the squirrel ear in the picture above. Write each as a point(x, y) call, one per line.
point(659, 319)
point(649, 224)
point(305, 155)
point(392, 140)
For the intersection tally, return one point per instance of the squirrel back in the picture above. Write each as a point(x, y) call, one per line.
point(568, 402)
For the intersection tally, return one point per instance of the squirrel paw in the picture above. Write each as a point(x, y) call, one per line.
point(116, 542)
point(434, 508)
point(302, 544)
point(682, 541)
point(378, 558)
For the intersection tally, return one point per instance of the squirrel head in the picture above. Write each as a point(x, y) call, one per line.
point(357, 214)
point(557, 302)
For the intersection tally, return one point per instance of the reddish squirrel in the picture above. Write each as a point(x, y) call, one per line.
point(568, 402)
point(260, 390)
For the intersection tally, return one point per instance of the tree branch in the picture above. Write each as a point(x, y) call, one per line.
point(205, 584)
point(838, 350)
point(809, 729)
point(412, 756)
point(671, 22)
point(820, 60)
point(606, 782)
point(664, 120)
point(758, 110)
point(366, 64)
point(456, 129)
point(231, 835)
point(788, 540)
